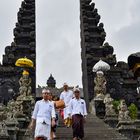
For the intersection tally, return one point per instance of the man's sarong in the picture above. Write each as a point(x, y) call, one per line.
point(78, 126)
point(42, 130)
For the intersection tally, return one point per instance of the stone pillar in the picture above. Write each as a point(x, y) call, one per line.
point(99, 108)
point(111, 120)
point(12, 129)
point(23, 124)
point(92, 107)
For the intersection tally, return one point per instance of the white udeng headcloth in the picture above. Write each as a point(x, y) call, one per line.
point(76, 89)
point(65, 84)
point(45, 91)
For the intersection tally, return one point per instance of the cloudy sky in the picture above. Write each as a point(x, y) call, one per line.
point(58, 34)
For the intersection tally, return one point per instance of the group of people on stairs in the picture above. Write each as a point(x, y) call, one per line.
point(45, 117)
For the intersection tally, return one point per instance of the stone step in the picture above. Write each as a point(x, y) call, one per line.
point(95, 129)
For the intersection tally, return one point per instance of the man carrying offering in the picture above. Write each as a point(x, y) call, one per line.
point(66, 96)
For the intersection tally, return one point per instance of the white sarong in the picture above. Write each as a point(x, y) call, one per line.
point(43, 130)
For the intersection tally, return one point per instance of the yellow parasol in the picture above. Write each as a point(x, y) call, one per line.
point(24, 62)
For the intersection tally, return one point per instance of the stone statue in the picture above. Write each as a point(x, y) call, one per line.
point(10, 110)
point(123, 112)
point(18, 110)
point(25, 84)
point(14, 110)
point(100, 84)
point(109, 105)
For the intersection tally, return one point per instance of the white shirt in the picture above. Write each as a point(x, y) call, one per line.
point(66, 96)
point(43, 111)
point(77, 106)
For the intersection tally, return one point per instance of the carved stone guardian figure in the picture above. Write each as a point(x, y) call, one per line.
point(109, 105)
point(100, 85)
point(123, 112)
point(111, 118)
point(25, 84)
point(125, 125)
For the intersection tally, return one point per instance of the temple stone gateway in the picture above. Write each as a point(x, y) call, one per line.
point(111, 87)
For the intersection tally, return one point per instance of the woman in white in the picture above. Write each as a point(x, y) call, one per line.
point(43, 116)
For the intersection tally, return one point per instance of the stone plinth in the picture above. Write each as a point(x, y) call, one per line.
point(111, 120)
point(127, 128)
point(99, 108)
point(12, 129)
point(23, 123)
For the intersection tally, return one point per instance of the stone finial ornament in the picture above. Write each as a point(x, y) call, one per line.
point(101, 66)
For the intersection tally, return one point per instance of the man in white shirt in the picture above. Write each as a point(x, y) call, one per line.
point(66, 96)
point(78, 112)
point(43, 116)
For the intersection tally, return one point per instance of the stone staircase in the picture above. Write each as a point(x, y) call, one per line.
point(95, 129)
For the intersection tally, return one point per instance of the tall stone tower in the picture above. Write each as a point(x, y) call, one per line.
point(120, 81)
point(24, 44)
point(92, 37)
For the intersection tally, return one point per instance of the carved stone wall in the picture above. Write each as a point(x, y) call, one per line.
point(24, 44)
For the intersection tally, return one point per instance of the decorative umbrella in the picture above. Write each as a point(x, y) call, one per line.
point(101, 66)
point(24, 62)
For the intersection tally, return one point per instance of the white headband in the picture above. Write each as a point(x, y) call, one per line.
point(65, 84)
point(76, 89)
point(45, 91)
